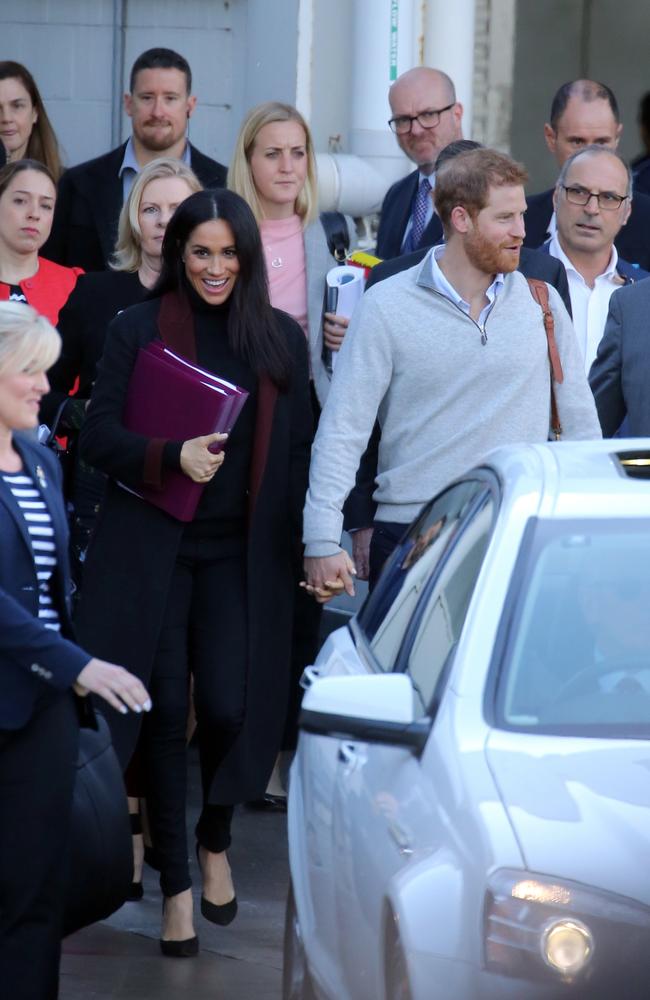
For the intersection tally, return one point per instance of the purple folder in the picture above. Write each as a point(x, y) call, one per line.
point(170, 397)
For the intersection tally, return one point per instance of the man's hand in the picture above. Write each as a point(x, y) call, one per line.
point(334, 329)
point(327, 576)
point(115, 685)
point(198, 458)
point(361, 551)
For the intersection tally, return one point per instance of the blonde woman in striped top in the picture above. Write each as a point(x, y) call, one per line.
point(42, 671)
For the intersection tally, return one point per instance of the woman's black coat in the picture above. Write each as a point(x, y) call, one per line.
point(82, 323)
point(132, 554)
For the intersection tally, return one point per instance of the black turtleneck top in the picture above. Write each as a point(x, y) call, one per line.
point(223, 505)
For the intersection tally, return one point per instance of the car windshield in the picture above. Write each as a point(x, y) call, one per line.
point(577, 656)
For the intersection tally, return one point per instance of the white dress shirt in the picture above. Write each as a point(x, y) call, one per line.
point(589, 305)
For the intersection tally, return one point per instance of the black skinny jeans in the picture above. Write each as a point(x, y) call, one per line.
point(204, 633)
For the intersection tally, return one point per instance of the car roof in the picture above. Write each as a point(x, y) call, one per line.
point(609, 478)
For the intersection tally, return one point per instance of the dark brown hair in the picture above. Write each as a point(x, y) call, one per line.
point(253, 330)
point(42, 145)
point(9, 171)
point(466, 180)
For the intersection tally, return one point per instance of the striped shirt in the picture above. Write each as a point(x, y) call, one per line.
point(41, 537)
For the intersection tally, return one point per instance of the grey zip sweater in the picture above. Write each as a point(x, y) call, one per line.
point(444, 399)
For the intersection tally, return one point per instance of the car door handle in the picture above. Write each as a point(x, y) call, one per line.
point(347, 753)
point(309, 675)
point(398, 834)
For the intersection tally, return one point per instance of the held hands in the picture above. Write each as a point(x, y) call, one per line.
point(198, 459)
point(334, 328)
point(115, 685)
point(328, 576)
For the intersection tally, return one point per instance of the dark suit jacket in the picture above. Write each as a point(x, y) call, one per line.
point(395, 214)
point(88, 207)
point(33, 659)
point(359, 510)
point(620, 375)
point(83, 322)
point(632, 243)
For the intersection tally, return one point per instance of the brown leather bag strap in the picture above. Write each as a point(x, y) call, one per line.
point(539, 291)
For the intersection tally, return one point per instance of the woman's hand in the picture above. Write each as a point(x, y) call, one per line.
point(328, 576)
point(198, 460)
point(115, 685)
point(334, 328)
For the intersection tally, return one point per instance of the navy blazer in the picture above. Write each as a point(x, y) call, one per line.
point(33, 659)
point(632, 242)
point(395, 214)
point(620, 375)
point(88, 205)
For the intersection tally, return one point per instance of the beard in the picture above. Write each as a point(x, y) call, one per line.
point(489, 257)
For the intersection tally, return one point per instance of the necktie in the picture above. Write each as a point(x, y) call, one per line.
point(419, 215)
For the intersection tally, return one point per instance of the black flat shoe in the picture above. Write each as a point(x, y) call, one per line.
point(188, 948)
point(217, 913)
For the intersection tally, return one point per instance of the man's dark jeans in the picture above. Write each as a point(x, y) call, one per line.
point(384, 539)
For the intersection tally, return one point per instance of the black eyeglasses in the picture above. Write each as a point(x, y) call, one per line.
point(607, 200)
point(402, 124)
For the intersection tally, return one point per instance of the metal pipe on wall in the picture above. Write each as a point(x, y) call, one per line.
point(449, 46)
point(117, 82)
point(384, 42)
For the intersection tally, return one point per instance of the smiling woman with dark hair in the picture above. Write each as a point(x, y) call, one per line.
point(211, 598)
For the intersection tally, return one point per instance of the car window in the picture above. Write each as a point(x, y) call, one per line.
point(577, 658)
point(443, 616)
point(387, 612)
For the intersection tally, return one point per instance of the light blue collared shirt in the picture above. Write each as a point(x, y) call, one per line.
point(445, 288)
point(130, 166)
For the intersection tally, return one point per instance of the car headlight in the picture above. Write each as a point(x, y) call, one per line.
point(567, 946)
point(536, 927)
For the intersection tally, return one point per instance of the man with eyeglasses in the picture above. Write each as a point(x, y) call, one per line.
point(585, 113)
point(592, 202)
point(425, 117)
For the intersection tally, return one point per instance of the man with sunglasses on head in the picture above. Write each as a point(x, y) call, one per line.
point(425, 117)
point(592, 202)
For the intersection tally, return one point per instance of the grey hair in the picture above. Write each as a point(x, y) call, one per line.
point(594, 151)
point(28, 341)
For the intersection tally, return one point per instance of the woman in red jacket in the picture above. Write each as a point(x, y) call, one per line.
point(27, 197)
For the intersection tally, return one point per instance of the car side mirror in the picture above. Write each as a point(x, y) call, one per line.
point(371, 708)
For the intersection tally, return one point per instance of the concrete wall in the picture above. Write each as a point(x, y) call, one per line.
point(68, 47)
point(560, 40)
point(241, 52)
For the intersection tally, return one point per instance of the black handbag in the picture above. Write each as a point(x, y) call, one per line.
point(101, 852)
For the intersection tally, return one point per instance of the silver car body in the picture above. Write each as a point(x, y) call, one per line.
point(386, 843)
